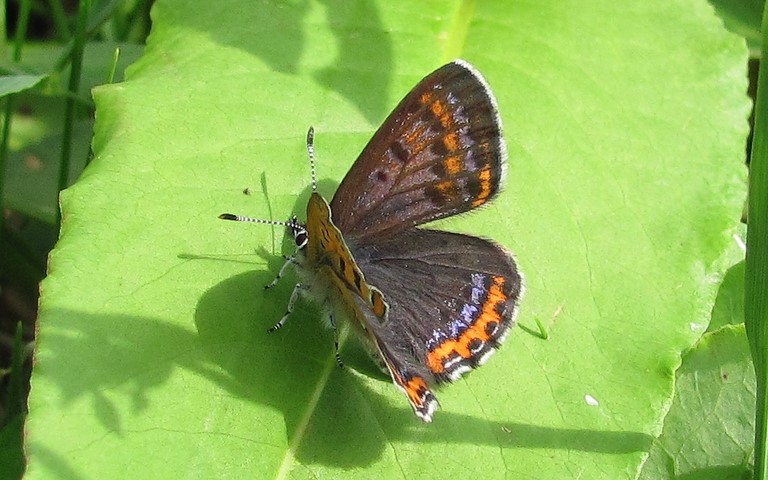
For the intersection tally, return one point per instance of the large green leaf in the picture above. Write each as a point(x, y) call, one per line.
point(710, 430)
point(729, 308)
point(18, 83)
point(626, 128)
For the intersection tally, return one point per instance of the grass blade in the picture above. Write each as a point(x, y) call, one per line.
point(756, 275)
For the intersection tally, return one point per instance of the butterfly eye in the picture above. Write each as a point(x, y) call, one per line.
point(300, 236)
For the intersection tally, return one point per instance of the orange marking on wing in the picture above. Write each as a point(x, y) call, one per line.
point(414, 389)
point(414, 137)
point(451, 141)
point(453, 165)
point(378, 303)
point(447, 189)
point(425, 98)
point(496, 296)
point(438, 108)
point(485, 187)
point(440, 112)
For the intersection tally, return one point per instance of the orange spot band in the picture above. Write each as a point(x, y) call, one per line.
point(478, 330)
point(452, 165)
point(485, 187)
point(451, 142)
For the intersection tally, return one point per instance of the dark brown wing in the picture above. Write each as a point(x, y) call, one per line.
point(439, 153)
point(452, 299)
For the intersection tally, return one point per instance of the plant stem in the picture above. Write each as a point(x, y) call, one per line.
point(756, 272)
point(60, 19)
point(74, 85)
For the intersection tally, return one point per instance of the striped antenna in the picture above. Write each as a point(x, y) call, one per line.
point(240, 218)
point(311, 152)
point(293, 223)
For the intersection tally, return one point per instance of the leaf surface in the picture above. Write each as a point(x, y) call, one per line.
point(626, 127)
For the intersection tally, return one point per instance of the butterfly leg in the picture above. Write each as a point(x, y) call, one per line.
point(294, 295)
point(332, 321)
point(288, 262)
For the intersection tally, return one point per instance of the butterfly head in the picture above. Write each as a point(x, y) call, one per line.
point(299, 232)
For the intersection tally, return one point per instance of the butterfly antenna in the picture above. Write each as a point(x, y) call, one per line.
point(240, 218)
point(311, 152)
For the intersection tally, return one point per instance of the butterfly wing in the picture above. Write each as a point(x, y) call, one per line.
point(440, 152)
point(410, 378)
point(452, 299)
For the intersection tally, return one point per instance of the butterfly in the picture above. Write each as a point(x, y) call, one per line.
point(430, 305)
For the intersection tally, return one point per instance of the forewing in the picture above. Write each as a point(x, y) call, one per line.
point(452, 299)
point(439, 153)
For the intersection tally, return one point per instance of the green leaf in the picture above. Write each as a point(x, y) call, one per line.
point(18, 83)
point(709, 431)
point(729, 307)
point(742, 17)
point(626, 127)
